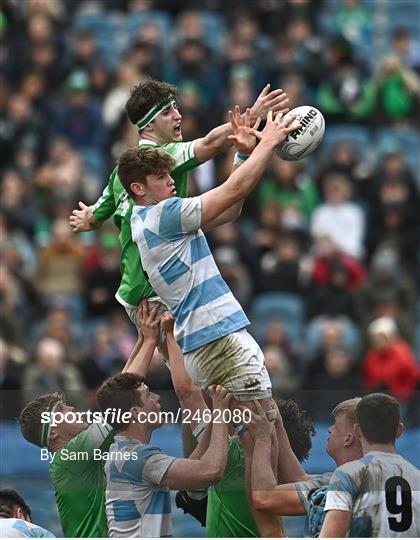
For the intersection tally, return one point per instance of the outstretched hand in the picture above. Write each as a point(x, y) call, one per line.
point(275, 101)
point(258, 425)
point(221, 397)
point(149, 321)
point(167, 322)
point(277, 129)
point(244, 136)
point(83, 220)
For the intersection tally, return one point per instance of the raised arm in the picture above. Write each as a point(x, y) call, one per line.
point(188, 393)
point(140, 358)
point(245, 178)
point(217, 140)
point(245, 141)
point(268, 525)
point(209, 468)
point(264, 494)
point(289, 467)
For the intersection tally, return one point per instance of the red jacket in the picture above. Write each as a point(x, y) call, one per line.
point(394, 367)
point(321, 273)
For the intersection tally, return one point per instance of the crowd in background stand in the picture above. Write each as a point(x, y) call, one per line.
point(325, 257)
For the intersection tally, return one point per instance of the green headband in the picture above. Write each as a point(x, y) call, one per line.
point(154, 111)
point(46, 426)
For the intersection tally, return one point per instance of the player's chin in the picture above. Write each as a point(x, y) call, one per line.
point(177, 135)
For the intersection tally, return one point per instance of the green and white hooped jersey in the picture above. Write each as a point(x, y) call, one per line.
point(134, 286)
point(382, 491)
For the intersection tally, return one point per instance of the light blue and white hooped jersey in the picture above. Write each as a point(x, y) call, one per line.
point(19, 528)
point(180, 267)
point(136, 505)
point(382, 490)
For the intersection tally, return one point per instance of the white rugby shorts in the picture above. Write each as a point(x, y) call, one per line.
point(234, 361)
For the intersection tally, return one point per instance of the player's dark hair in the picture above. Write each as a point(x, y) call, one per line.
point(146, 95)
point(299, 427)
point(136, 163)
point(120, 393)
point(30, 418)
point(10, 500)
point(378, 416)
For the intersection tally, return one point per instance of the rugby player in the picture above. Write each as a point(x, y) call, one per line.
point(228, 511)
point(139, 475)
point(152, 108)
point(300, 493)
point(379, 494)
point(210, 325)
point(16, 518)
point(77, 475)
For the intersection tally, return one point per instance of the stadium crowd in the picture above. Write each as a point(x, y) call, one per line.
point(325, 257)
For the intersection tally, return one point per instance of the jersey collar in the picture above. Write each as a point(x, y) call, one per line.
point(148, 142)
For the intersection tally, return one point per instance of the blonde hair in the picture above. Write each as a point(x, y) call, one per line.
point(348, 409)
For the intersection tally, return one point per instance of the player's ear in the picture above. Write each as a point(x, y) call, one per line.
point(357, 431)
point(20, 514)
point(400, 429)
point(54, 434)
point(137, 188)
point(134, 411)
point(349, 439)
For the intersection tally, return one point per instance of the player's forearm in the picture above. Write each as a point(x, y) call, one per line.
point(245, 178)
point(181, 381)
point(289, 468)
point(228, 215)
point(105, 206)
point(268, 524)
point(203, 443)
point(95, 223)
point(215, 142)
point(214, 458)
point(141, 360)
point(262, 476)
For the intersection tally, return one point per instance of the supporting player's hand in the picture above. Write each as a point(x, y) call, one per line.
point(221, 397)
point(259, 426)
point(167, 322)
point(149, 321)
point(277, 129)
point(275, 101)
point(83, 220)
point(243, 137)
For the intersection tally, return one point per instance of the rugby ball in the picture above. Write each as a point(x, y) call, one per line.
point(302, 142)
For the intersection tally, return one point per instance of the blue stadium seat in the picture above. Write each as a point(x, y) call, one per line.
point(289, 308)
point(94, 161)
point(358, 136)
point(404, 8)
point(403, 14)
point(350, 340)
point(214, 27)
point(404, 140)
point(106, 29)
point(136, 20)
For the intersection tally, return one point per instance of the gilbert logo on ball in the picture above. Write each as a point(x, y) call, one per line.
point(302, 142)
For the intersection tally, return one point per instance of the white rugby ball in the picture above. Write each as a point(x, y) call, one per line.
point(302, 142)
